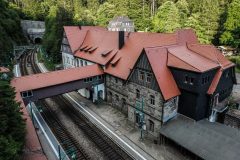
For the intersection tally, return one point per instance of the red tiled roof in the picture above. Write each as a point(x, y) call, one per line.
point(215, 81)
point(184, 51)
point(4, 70)
point(105, 41)
point(182, 57)
point(132, 48)
point(212, 53)
point(76, 35)
point(41, 80)
point(158, 58)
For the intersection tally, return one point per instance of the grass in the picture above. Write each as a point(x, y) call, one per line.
point(46, 61)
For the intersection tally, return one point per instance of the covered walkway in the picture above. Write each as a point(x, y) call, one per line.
point(210, 141)
point(43, 85)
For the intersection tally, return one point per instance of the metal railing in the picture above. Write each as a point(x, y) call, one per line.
point(40, 123)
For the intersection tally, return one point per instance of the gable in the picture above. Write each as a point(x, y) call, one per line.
point(143, 65)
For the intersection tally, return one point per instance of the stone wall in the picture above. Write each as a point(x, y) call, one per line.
point(152, 113)
point(116, 93)
point(117, 90)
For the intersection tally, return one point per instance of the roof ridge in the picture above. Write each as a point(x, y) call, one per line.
point(200, 53)
point(183, 61)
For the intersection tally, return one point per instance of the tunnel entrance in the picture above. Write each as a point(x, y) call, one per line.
point(38, 40)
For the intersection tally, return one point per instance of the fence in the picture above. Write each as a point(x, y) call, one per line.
point(39, 122)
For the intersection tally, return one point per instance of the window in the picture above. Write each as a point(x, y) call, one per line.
point(205, 79)
point(227, 74)
point(191, 81)
point(110, 96)
point(151, 125)
point(123, 102)
point(137, 93)
point(90, 79)
point(141, 75)
point(149, 77)
point(99, 77)
point(85, 63)
point(152, 100)
point(117, 97)
point(116, 80)
point(81, 62)
point(68, 60)
point(186, 79)
point(137, 118)
point(27, 94)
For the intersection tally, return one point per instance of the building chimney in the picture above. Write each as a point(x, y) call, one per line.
point(120, 39)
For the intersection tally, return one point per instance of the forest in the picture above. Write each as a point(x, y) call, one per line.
point(215, 21)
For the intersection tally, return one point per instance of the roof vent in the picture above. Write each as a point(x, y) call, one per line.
point(82, 48)
point(87, 49)
point(92, 49)
point(105, 53)
point(115, 62)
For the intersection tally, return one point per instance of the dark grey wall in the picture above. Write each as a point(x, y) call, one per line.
point(225, 84)
point(197, 87)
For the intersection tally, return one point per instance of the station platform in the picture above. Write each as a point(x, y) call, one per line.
point(115, 123)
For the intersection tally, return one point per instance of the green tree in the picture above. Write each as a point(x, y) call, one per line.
point(231, 34)
point(208, 13)
point(167, 18)
point(194, 23)
point(56, 19)
point(105, 13)
point(139, 12)
point(12, 131)
point(184, 12)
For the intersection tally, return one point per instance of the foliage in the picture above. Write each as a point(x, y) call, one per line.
point(12, 131)
point(105, 13)
point(231, 34)
point(236, 60)
point(10, 31)
point(56, 19)
point(167, 18)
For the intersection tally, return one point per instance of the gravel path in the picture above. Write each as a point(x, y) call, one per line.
point(91, 148)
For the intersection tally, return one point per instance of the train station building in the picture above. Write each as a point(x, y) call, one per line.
point(150, 77)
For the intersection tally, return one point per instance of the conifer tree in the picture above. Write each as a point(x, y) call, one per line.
point(167, 18)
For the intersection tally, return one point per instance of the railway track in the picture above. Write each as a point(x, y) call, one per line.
point(67, 141)
point(105, 144)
